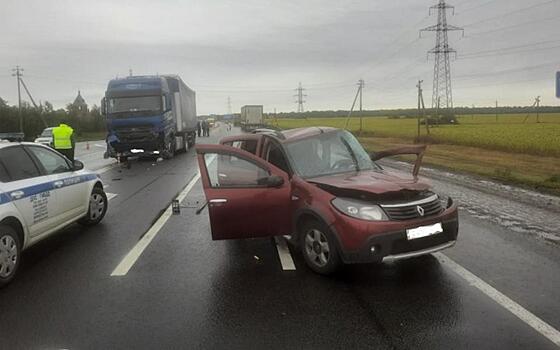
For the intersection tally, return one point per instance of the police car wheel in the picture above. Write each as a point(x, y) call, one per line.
point(97, 207)
point(10, 250)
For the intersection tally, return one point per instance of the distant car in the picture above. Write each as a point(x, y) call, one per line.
point(46, 137)
point(41, 192)
point(320, 186)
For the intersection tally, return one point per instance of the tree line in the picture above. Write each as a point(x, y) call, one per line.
point(37, 119)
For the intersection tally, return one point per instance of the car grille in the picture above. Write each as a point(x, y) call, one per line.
point(405, 211)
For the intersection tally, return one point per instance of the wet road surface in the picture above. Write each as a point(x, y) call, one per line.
point(187, 291)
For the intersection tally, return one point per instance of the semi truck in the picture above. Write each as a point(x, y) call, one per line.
point(149, 115)
point(251, 117)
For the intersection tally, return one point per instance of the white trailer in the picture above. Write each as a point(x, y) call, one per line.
point(251, 117)
point(184, 111)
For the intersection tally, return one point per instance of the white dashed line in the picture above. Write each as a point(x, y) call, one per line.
point(284, 254)
point(130, 259)
point(523, 314)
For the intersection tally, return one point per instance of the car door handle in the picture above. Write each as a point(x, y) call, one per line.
point(58, 184)
point(17, 194)
point(219, 200)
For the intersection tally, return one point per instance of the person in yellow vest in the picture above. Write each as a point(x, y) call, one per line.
point(63, 140)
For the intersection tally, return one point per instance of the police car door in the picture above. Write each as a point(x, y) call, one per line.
point(29, 190)
point(70, 186)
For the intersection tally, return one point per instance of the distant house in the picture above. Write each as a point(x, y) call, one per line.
point(79, 104)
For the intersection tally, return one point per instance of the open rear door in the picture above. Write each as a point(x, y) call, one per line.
point(247, 196)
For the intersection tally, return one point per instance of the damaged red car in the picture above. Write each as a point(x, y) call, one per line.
point(319, 186)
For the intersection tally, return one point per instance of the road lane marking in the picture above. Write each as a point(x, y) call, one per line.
point(284, 254)
point(110, 195)
point(105, 169)
point(525, 315)
point(130, 259)
point(100, 145)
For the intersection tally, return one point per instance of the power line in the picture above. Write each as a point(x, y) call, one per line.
point(511, 13)
point(300, 95)
point(442, 68)
point(539, 20)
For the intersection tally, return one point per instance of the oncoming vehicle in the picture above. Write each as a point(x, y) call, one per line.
point(320, 186)
point(41, 192)
point(46, 137)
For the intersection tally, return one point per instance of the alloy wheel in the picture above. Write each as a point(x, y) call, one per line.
point(8, 256)
point(96, 206)
point(317, 247)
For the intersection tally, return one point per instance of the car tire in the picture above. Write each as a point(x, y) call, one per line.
point(98, 204)
point(319, 248)
point(10, 254)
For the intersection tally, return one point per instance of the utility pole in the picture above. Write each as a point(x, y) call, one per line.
point(229, 105)
point(496, 111)
point(300, 97)
point(442, 69)
point(129, 72)
point(538, 103)
point(421, 108)
point(361, 84)
point(18, 74)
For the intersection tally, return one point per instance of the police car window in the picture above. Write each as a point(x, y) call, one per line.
point(52, 162)
point(4, 177)
point(18, 163)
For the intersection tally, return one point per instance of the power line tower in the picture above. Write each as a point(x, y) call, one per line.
point(361, 84)
point(300, 95)
point(442, 70)
point(535, 105)
point(18, 73)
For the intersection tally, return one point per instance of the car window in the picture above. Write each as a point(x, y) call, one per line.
point(52, 162)
point(18, 163)
point(276, 157)
point(226, 170)
point(246, 145)
point(4, 177)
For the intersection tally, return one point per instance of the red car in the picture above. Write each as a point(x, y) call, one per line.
point(321, 187)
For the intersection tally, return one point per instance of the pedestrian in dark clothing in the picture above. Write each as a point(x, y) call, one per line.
point(198, 128)
point(207, 129)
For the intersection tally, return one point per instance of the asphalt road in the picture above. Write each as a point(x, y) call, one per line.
point(122, 285)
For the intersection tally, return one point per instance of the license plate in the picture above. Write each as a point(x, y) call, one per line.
point(423, 231)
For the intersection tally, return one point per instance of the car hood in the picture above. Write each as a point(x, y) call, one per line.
point(378, 184)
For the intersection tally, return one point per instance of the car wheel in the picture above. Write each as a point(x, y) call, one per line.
point(10, 250)
point(319, 248)
point(97, 207)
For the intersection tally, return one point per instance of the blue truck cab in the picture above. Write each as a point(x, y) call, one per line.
point(149, 115)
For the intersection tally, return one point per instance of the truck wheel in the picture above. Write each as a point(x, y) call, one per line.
point(191, 140)
point(319, 248)
point(10, 254)
point(169, 150)
point(97, 207)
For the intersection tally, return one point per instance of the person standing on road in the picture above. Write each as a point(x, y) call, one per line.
point(207, 129)
point(63, 140)
point(198, 128)
point(204, 127)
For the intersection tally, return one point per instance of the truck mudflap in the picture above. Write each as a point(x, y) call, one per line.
point(418, 150)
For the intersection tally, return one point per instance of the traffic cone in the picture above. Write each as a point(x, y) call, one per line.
point(87, 145)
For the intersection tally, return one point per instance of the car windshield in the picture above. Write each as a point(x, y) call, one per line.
point(47, 133)
point(135, 104)
point(327, 154)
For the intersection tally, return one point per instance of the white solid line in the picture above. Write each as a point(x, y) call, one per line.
point(110, 195)
point(284, 254)
point(130, 259)
point(525, 315)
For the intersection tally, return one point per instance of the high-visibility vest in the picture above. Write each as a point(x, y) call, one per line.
point(62, 137)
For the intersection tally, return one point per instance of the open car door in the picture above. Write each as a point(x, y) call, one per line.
point(247, 196)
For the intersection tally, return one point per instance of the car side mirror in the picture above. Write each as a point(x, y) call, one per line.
point(77, 165)
point(271, 181)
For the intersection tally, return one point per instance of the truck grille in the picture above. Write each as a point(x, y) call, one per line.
point(135, 134)
point(412, 210)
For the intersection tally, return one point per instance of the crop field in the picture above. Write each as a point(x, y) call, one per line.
point(508, 133)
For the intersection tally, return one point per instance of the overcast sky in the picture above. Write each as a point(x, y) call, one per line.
point(256, 51)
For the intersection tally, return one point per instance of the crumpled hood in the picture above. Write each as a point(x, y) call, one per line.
point(383, 182)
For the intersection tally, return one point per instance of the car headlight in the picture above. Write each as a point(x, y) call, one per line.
point(359, 209)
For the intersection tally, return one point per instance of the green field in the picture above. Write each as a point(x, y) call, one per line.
point(508, 134)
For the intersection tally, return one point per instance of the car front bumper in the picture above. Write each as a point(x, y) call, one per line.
point(390, 243)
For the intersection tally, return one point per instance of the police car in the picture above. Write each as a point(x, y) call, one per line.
point(41, 192)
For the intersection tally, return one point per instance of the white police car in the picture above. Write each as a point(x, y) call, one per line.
point(41, 191)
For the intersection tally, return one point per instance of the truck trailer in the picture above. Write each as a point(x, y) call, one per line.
point(149, 115)
point(251, 117)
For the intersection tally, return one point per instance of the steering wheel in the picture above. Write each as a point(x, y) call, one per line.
point(343, 164)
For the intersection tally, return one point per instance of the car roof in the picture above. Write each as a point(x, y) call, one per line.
point(5, 143)
point(305, 132)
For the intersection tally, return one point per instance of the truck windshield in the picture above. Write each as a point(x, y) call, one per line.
point(327, 154)
point(135, 104)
